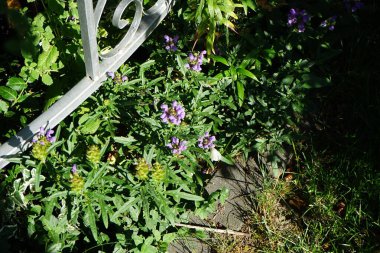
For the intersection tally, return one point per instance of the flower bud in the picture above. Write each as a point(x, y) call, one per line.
point(93, 154)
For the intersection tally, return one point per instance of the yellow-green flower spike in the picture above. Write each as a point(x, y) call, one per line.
point(93, 154)
point(77, 183)
point(158, 174)
point(142, 169)
point(40, 148)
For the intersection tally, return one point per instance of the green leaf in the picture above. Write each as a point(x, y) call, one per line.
point(246, 4)
point(103, 211)
point(181, 65)
point(137, 239)
point(92, 221)
point(54, 248)
point(152, 122)
point(224, 193)
point(240, 91)
point(168, 238)
point(185, 195)
point(220, 59)
point(83, 119)
point(91, 126)
point(3, 106)
point(46, 79)
point(38, 177)
point(124, 207)
point(147, 246)
point(124, 140)
point(16, 83)
point(8, 93)
point(227, 160)
point(247, 73)
point(47, 58)
point(51, 101)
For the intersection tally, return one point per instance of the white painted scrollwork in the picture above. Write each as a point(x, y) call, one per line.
point(120, 23)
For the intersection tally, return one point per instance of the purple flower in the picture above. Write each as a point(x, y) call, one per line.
point(124, 78)
point(175, 114)
point(206, 141)
point(170, 43)
point(111, 74)
point(47, 134)
point(301, 27)
point(74, 169)
point(195, 61)
point(299, 18)
point(177, 146)
point(329, 23)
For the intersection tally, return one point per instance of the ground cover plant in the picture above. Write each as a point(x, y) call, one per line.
point(216, 80)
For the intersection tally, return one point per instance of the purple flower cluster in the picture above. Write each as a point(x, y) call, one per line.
point(206, 141)
point(353, 6)
point(195, 61)
point(330, 23)
point(112, 76)
point(177, 146)
point(299, 18)
point(44, 134)
point(175, 114)
point(170, 43)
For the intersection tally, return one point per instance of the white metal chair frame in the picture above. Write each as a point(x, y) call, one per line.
point(97, 65)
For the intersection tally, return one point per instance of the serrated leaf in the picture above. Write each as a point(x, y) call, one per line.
point(103, 211)
point(47, 58)
point(124, 208)
point(8, 93)
point(92, 221)
point(16, 83)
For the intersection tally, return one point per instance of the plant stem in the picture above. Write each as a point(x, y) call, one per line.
point(214, 230)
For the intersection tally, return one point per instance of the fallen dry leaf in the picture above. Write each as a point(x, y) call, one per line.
point(14, 4)
point(297, 203)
